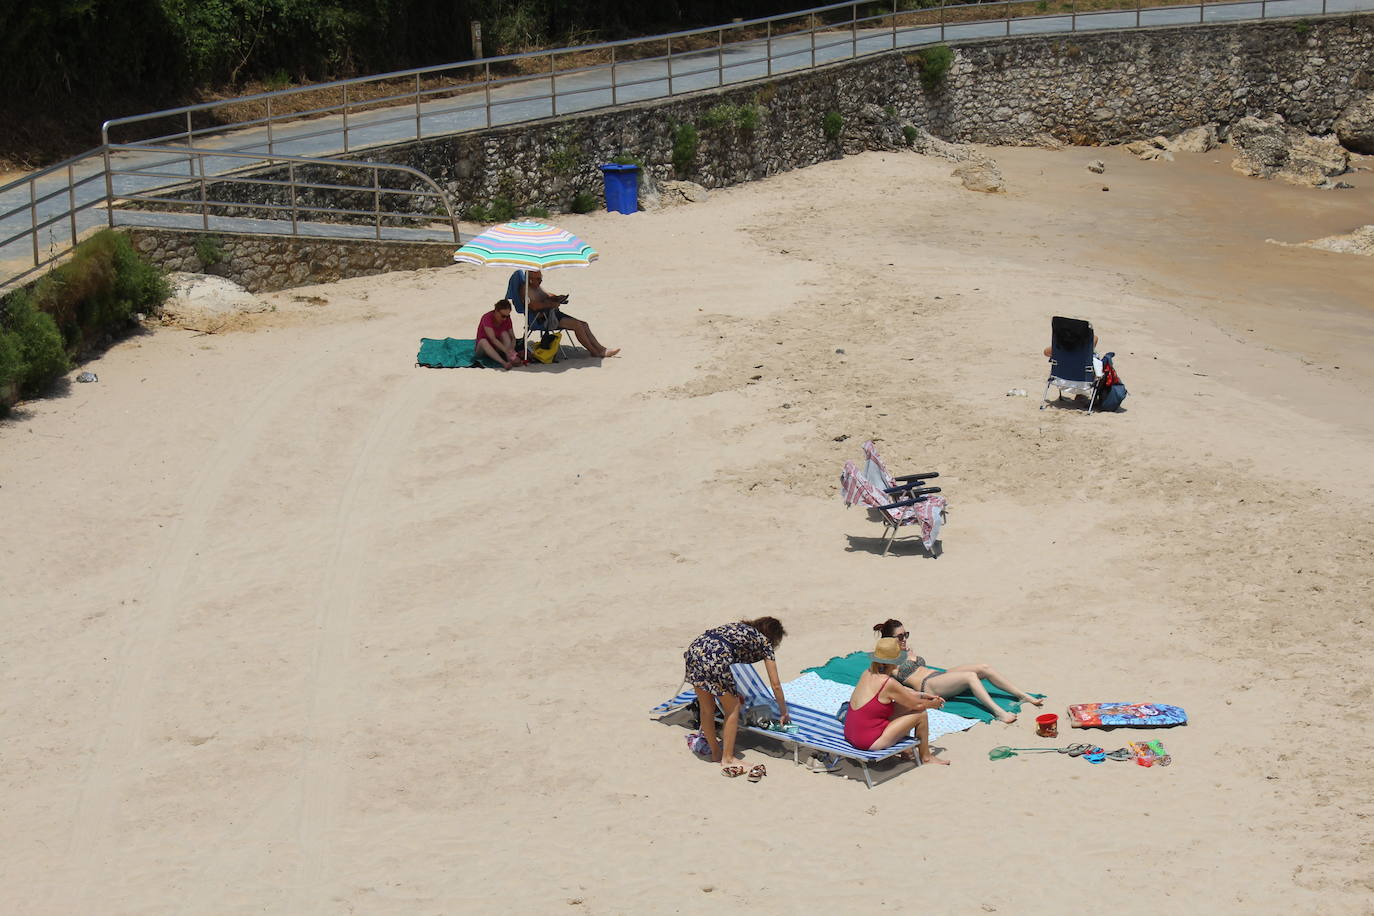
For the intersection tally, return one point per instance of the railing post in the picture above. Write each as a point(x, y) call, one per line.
point(613, 86)
point(417, 106)
point(345, 116)
point(553, 86)
point(190, 134)
point(720, 56)
point(71, 201)
point(768, 49)
point(204, 196)
point(942, 20)
point(894, 25)
point(33, 218)
point(1008, 17)
point(1202, 11)
point(486, 84)
point(1137, 14)
point(109, 185)
point(1073, 15)
point(853, 30)
point(670, 67)
point(269, 125)
point(812, 20)
point(295, 213)
point(377, 199)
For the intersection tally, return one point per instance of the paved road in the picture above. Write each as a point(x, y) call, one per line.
point(526, 99)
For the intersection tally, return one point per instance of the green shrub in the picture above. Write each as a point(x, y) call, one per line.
point(685, 141)
point(12, 366)
point(1302, 27)
point(500, 210)
point(586, 201)
point(890, 111)
point(41, 355)
point(831, 125)
point(99, 289)
point(564, 159)
point(934, 63)
point(536, 212)
point(209, 250)
point(910, 133)
point(741, 117)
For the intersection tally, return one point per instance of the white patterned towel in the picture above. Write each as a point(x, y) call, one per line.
point(815, 692)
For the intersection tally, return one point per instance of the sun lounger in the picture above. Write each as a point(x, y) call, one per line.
point(817, 731)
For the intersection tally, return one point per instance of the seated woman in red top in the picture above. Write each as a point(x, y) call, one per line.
point(496, 336)
point(882, 710)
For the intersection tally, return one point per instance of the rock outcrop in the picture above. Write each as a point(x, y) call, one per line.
point(1271, 148)
point(981, 175)
point(1355, 127)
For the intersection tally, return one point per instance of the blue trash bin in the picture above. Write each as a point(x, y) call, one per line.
point(622, 188)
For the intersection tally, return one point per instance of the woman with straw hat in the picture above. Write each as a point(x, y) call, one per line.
point(883, 710)
point(709, 658)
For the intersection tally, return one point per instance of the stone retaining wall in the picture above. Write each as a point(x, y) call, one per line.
point(1088, 88)
point(264, 263)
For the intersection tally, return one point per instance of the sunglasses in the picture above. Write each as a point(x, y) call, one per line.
point(903, 637)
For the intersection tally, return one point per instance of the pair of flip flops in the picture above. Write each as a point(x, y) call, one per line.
point(755, 773)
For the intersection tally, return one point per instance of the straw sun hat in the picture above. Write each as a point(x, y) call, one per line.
point(888, 651)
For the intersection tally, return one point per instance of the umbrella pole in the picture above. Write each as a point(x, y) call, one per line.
point(527, 316)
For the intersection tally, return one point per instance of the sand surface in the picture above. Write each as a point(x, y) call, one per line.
point(291, 626)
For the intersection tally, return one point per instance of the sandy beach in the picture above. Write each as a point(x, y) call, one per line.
point(292, 626)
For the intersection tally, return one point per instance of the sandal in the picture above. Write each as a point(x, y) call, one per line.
point(1076, 750)
point(757, 772)
point(732, 771)
point(1121, 753)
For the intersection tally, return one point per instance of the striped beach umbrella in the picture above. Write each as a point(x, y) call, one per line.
point(527, 245)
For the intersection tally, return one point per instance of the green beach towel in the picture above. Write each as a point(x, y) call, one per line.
point(452, 353)
point(845, 669)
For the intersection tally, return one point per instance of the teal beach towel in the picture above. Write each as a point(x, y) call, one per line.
point(845, 669)
point(451, 353)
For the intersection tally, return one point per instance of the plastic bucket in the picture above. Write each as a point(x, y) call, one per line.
point(622, 188)
point(1047, 726)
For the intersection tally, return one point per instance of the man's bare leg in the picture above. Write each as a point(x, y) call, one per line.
point(585, 338)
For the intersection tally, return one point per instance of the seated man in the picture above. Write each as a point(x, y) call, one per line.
point(496, 336)
point(545, 313)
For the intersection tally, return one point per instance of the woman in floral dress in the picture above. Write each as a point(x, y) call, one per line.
point(709, 658)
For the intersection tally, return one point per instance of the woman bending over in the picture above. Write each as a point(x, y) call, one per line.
point(709, 658)
point(914, 672)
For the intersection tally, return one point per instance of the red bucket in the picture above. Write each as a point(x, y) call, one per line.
point(1047, 726)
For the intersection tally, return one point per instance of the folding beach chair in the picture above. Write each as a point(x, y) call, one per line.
point(535, 322)
point(1071, 360)
point(878, 475)
point(816, 730)
point(918, 506)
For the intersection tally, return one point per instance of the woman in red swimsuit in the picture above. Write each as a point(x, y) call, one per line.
point(882, 710)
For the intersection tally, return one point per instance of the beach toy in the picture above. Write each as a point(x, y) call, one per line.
point(1047, 726)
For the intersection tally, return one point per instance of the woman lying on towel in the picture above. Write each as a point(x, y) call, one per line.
point(914, 672)
point(882, 711)
point(709, 658)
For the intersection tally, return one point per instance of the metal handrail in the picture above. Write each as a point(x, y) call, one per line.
point(200, 179)
point(821, 24)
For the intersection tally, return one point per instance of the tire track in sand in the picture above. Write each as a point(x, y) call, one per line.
point(322, 777)
point(141, 654)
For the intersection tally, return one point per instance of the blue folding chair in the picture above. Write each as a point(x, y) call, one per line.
point(1071, 360)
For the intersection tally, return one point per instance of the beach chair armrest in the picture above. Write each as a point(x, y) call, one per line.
point(927, 476)
point(904, 503)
